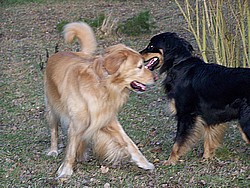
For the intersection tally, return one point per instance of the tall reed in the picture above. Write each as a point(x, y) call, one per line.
point(221, 29)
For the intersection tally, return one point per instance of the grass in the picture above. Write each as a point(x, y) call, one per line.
point(24, 135)
point(94, 23)
point(7, 3)
point(97, 22)
point(135, 26)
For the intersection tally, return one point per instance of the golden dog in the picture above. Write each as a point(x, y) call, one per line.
point(85, 92)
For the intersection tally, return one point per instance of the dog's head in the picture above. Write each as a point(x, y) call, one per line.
point(166, 50)
point(126, 67)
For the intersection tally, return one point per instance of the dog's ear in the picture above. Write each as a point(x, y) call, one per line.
point(113, 62)
point(114, 48)
point(114, 57)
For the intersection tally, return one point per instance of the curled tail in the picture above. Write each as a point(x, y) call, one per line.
point(84, 33)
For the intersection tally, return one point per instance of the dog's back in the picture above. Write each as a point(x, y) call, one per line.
point(219, 82)
point(59, 63)
point(218, 93)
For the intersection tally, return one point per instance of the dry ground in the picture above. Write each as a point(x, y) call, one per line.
point(26, 32)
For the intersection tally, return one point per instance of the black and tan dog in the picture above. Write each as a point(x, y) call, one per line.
point(203, 96)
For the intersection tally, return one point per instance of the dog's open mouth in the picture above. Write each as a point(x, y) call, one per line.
point(137, 86)
point(152, 63)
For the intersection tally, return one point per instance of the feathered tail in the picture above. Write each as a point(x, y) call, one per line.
point(84, 33)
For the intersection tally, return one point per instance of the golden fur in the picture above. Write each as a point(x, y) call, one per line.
point(85, 92)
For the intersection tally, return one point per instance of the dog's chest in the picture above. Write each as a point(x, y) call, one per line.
point(172, 85)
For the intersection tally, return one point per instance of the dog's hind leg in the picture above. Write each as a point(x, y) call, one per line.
point(212, 139)
point(189, 132)
point(53, 123)
point(82, 153)
point(108, 145)
point(243, 135)
point(113, 144)
point(74, 139)
point(136, 155)
point(244, 121)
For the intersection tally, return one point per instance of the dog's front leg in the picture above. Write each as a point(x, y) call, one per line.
point(189, 131)
point(136, 155)
point(53, 123)
point(66, 168)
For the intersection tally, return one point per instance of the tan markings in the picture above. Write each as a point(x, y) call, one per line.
point(212, 139)
point(172, 107)
point(243, 135)
point(173, 158)
point(193, 137)
point(148, 56)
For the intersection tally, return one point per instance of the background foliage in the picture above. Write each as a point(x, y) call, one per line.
point(221, 29)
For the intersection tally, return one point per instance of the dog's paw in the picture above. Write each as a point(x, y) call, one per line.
point(208, 155)
point(168, 162)
point(64, 172)
point(150, 166)
point(53, 153)
point(142, 162)
point(146, 166)
point(83, 158)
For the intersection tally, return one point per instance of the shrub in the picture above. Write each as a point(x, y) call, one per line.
point(137, 25)
point(95, 23)
point(60, 26)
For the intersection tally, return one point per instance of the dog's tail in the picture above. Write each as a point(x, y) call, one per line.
point(84, 33)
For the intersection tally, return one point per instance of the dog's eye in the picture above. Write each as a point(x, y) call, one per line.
point(150, 47)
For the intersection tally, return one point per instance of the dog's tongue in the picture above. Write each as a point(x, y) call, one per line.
point(152, 63)
point(137, 86)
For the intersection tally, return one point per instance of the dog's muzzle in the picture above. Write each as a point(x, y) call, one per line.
point(152, 63)
point(137, 86)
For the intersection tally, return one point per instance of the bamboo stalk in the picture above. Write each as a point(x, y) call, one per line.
point(248, 28)
point(191, 28)
point(204, 34)
point(242, 31)
point(198, 21)
point(212, 29)
point(228, 39)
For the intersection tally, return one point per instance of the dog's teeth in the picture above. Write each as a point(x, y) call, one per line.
point(152, 63)
point(138, 86)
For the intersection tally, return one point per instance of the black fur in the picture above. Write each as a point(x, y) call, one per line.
point(215, 93)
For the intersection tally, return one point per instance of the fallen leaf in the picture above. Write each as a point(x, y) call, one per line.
point(106, 185)
point(156, 160)
point(104, 169)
